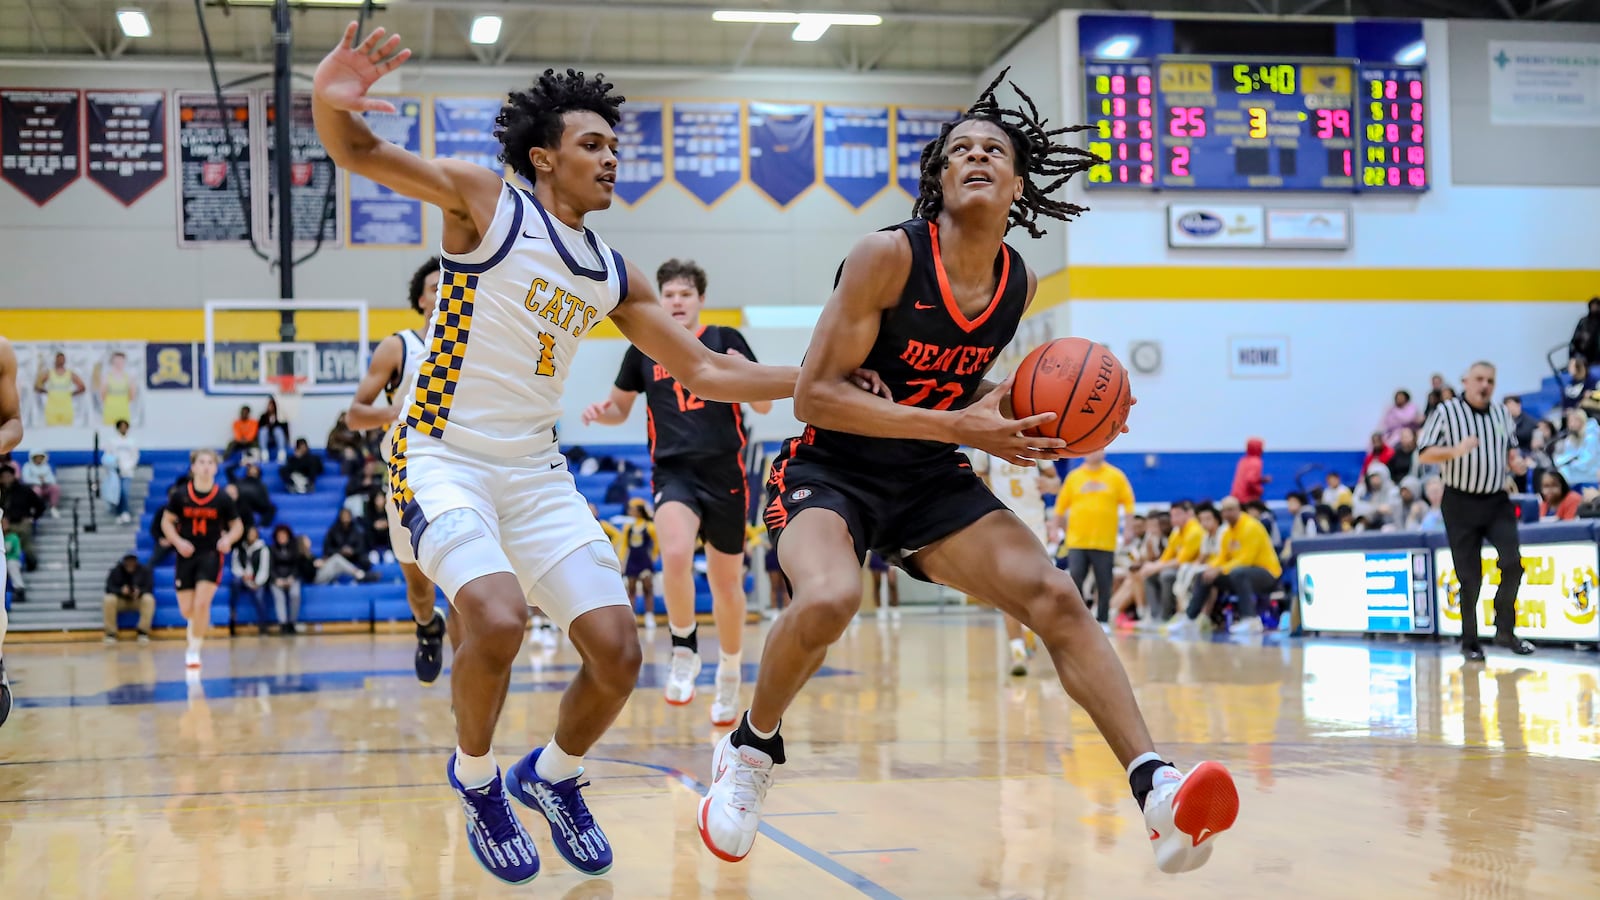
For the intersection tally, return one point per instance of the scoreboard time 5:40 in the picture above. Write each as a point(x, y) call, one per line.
point(1246, 122)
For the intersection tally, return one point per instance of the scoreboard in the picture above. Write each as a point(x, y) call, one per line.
point(1247, 122)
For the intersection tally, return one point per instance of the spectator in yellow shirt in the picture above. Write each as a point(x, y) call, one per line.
point(1161, 575)
point(1245, 565)
point(1089, 501)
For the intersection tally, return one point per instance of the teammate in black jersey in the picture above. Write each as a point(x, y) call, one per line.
point(203, 524)
point(928, 304)
point(392, 373)
point(697, 452)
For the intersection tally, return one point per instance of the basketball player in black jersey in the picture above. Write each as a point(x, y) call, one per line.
point(697, 453)
point(928, 304)
point(10, 439)
point(389, 374)
point(203, 524)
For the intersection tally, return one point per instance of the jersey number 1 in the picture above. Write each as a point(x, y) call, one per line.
point(547, 355)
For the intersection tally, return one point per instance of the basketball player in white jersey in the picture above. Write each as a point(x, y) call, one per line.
point(1022, 490)
point(393, 373)
point(10, 437)
point(494, 516)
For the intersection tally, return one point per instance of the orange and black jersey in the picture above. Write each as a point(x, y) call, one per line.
point(928, 353)
point(681, 424)
point(202, 519)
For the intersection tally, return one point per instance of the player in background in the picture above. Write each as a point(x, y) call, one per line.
point(639, 550)
point(495, 517)
point(928, 304)
point(393, 373)
point(10, 439)
point(1021, 488)
point(700, 485)
point(202, 523)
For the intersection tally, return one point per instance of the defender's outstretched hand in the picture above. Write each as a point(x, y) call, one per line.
point(348, 71)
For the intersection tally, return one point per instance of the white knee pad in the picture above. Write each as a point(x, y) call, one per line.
point(458, 547)
point(586, 579)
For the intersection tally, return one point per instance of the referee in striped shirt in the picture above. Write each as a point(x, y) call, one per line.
point(1475, 440)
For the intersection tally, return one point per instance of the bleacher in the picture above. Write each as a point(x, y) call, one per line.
point(383, 600)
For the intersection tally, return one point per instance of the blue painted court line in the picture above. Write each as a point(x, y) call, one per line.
point(652, 675)
point(883, 850)
point(862, 883)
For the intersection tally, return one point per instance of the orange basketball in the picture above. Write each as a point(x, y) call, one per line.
point(1083, 383)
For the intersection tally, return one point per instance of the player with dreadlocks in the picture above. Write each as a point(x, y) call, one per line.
point(928, 304)
point(493, 514)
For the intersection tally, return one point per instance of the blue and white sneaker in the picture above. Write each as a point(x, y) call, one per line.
point(494, 833)
point(577, 838)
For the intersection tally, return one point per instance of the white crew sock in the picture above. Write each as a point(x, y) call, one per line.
point(764, 735)
point(1141, 760)
point(555, 764)
point(1018, 645)
point(475, 771)
point(729, 662)
point(682, 632)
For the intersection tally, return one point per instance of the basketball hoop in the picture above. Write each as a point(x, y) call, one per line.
point(286, 389)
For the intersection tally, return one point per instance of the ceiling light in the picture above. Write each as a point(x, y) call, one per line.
point(485, 29)
point(773, 17)
point(810, 29)
point(134, 23)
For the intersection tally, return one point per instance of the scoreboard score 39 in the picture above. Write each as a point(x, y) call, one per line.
point(1256, 123)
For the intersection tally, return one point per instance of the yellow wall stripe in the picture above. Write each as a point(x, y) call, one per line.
point(180, 325)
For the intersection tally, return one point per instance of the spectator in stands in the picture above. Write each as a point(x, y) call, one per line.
point(1432, 515)
point(1258, 508)
point(344, 550)
point(285, 566)
point(1334, 493)
point(1410, 501)
point(341, 438)
point(1578, 388)
point(120, 459)
point(1403, 414)
point(1161, 576)
point(161, 547)
point(1404, 462)
point(1087, 507)
point(1557, 499)
point(271, 427)
point(41, 478)
point(361, 479)
point(1586, 336)
point(130, 587)
point(252, 498)
point(1577, 455)
point(1377, 452)
point(1539, 449)
point(246, 432)
point(13, 558)
point(1248, 481)
point(1127, 595)
point(22, 506)
point(301, 471)
point(1523, 425)
point(1247, 565)
point(1377, 501)
point(252, 569)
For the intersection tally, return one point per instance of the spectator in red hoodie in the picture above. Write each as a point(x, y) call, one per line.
point(1378, 451)
point(1248, 482)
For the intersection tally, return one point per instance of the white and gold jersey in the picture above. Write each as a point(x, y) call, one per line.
point(415, 352)
point(1016, 486)
point(507, 326)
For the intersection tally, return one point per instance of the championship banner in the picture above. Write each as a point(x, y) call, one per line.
point(80, 384)
point(313, 178)
point(855, 152)
point(913, 129)
point(375, 215)
point(707, 149)
point(783, 149)
point(39, 141)
point(215, 157)
point(463, 128)
point(127, 141)
point(1556, 601)
point(641, 150)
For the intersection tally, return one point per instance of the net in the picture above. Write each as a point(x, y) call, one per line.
point(248, 351)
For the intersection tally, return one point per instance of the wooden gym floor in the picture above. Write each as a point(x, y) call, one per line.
point(313, 767)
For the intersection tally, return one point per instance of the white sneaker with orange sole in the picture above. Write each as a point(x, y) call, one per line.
point(1186, 812)
point(730, 812)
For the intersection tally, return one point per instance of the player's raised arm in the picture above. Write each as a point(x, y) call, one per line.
point(466, 192)
point(873, 276)
point(10, 403)
point(386, 360)
point(711, 376)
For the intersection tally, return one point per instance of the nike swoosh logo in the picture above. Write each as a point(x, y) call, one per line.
point(920, 305)
point(1155, 835)
point(720, 771)
point(533, 237)
point(1204, 833)
point(557, 464)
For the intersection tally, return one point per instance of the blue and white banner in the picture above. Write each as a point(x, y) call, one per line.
point(463, 128)
point(641, 150)
point(855, 151)
point(127, 141)
point(39, 141)
point(913, 129)
point(377, 216)
point(169, 367)
point(783, 149)
point(707, 149)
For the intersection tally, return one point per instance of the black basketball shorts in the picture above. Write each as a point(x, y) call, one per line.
point(715, 489)
point(204, 565)
point(892, 514)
